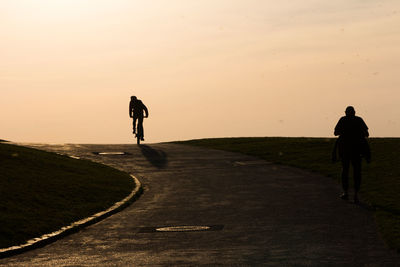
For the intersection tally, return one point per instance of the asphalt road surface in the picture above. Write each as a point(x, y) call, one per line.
point(236, 211)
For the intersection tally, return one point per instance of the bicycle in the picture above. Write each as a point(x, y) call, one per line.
point(139, 132)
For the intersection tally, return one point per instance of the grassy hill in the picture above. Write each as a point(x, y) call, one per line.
point(380, 188)
point(40, 192)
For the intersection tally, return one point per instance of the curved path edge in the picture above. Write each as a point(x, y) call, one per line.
point(75, 226)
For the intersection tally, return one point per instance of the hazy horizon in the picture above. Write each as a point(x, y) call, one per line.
point(203, 68)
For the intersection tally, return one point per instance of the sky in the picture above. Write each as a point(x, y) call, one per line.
point(210, 68)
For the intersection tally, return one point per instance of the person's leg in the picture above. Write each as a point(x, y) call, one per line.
point(356, 162)
point(140, 124)
point(345, 176)
point(134, 124)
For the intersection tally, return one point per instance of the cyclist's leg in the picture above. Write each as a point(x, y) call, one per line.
point(140, 125)
point(134, 124)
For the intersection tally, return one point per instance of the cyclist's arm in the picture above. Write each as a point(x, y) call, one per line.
point(145, 111)
point(130, 109)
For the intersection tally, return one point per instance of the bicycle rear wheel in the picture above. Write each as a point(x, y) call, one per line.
point(138, 139)
point(139, 134)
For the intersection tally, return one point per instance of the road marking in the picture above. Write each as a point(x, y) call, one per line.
point(252, 162)
point(184, 228)
point(111, 153)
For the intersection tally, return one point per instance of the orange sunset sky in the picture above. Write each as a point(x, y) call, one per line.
point(209, 68)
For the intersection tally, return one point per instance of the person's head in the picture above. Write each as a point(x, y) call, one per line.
point(350, 111)
point(133, 98)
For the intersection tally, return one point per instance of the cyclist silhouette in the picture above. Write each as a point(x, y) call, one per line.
point(352, 145)
point(136, 110)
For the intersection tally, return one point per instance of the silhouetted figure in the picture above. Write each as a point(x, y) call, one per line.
point(351, 145)
point(136, 110)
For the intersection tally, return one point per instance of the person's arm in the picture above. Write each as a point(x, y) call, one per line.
point(364, 128)
point(339, 127)
point(146, 111)
point(130, 109)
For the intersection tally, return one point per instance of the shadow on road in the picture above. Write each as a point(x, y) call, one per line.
point(157, 158)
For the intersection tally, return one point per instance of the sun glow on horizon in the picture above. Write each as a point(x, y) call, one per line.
point(203, 68)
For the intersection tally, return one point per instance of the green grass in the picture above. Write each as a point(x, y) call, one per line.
point(40, 192)
point(381, 179)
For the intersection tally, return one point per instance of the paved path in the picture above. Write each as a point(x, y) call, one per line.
point(271, 215)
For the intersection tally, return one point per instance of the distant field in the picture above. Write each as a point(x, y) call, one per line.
point(40, 192)
point(381, 179)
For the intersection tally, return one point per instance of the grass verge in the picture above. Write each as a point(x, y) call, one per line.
point(381, 179)
point(40, 192)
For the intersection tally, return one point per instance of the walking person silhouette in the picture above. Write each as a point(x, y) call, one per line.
point(352, 145)
point(136, 110)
